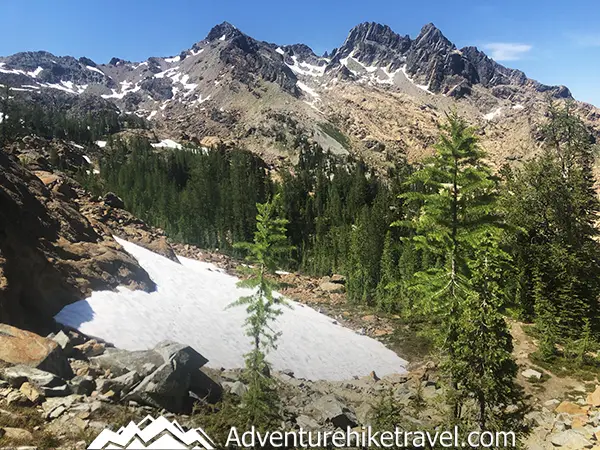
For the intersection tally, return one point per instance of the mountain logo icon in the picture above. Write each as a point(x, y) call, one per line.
point(153, 433)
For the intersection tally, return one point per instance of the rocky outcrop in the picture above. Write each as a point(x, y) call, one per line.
point(249, 59)
point(161, 377)
point(374, 44)
point(28, 349)
point(54, 68)
point(432, 60)
point(50, 255)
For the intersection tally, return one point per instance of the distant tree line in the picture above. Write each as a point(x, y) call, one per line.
point(21, 117)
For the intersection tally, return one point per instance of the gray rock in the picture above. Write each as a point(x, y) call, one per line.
point(363, 413)
point(17, 398)
point(168, 373)
point(167, 387)
point(47, 383)
point(329, 409)
point(238, 388)
point(82, 385)
point(332, 288)
point(23, 348)
point(55, 407)
point(430, 392)
point(127, 381)
point(570, 439)
point(17, 375)
point(105, 385)
point(204, 387)
point(17, 434)
point(307, 423)
point(532, 374)
point(63, 341)
point(113, 200)
point(180, 354)
point(395, 378)
point(120, 362)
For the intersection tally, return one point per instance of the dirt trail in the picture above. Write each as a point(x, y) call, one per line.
point(554, 387)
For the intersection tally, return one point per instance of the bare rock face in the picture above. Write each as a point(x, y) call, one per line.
point(50, 255)
point(24, 348)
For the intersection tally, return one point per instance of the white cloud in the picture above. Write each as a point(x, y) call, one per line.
point(507, 51)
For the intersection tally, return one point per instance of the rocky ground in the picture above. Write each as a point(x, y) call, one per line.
point(61, 391)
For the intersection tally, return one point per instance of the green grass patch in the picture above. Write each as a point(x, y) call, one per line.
point(562, 366)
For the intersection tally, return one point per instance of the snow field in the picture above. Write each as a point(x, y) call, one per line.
point(190, 306)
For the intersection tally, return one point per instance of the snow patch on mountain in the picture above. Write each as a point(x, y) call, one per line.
point(423, 87)
point(310, 91)
point(67, 86)
point(201, 100)
point(168, 143)
point(190, 306)
point(303, 68)
point(493, 114)
point(125, 89)
point(94, 69)
point(36, 72)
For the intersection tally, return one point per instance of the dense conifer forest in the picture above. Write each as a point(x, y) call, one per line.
point(381, 231)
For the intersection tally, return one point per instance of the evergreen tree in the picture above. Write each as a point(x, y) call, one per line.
point(269, 246)
point(552, 204)
point(483, 362)
point(387, 288)
point(458, 224)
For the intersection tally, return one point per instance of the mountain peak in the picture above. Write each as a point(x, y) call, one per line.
point(374, 32)
point(373, 43)
point(222, 31)
point(431, 35)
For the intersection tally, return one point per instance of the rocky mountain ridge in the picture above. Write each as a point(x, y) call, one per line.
point(378, 86)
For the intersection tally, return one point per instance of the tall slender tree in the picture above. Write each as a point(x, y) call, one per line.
point(458, 224)
point(263, 308)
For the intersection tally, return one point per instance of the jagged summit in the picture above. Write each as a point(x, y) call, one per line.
point(222, 31)
point(374, 44)
point(274, 97)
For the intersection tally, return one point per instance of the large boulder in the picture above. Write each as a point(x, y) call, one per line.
point(164, 376)
point(45, 383)
point(19, 347)
point(329, 409)
point(570, 440)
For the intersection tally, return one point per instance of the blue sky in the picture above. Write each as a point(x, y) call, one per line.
point(555, 42)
